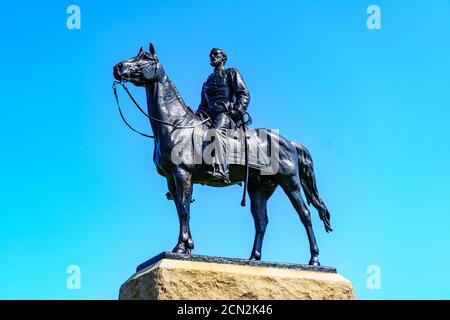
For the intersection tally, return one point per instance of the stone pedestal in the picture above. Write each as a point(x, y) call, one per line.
point(171, 276)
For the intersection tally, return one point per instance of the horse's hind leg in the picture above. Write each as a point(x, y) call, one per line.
point(260, 191)
point(293, 191)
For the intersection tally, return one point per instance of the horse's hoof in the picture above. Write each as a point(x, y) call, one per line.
point(314, 262)
point(256, 256)
point(181, 249)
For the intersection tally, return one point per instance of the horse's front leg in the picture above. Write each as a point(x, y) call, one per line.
point(180, 187)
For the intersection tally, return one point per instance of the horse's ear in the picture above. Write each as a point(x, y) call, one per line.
point(152, 49)
point(141, 50)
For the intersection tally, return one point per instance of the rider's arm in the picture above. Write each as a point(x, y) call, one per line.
point(203, 103)
point(240, 90)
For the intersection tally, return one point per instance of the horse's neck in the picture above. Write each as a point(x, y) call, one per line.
point(164, 103)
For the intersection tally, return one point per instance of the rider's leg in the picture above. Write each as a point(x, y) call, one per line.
point(221, 123)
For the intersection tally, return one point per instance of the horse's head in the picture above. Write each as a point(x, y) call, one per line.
point(140, 69)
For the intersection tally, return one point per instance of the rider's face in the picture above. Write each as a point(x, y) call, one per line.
point(217, 58)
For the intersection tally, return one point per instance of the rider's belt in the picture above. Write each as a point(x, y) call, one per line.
point(218, 106)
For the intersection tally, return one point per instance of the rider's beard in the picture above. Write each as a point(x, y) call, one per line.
point(216, 63)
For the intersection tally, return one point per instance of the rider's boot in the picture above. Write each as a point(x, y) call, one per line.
point(221, 173)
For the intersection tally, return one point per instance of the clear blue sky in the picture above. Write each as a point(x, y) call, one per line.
point(78, 188)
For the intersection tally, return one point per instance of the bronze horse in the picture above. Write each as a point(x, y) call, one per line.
point(173, 124)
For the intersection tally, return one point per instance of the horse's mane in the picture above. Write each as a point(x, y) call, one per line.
point(177, 94)
point(191, 117)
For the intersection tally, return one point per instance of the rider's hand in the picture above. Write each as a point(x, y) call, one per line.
point(235, 114)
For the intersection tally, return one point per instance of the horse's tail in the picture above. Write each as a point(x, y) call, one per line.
point(308, 181)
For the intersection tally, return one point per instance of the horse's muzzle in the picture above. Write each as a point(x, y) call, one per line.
point(117, 72)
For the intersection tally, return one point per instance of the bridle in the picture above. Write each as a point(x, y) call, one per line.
point(122, 83)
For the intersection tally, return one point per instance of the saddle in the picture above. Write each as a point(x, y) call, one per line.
point(259, 142)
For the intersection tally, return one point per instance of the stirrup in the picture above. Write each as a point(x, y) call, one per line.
point(221, 177)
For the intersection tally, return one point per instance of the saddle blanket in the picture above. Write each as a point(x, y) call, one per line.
point(263, 147)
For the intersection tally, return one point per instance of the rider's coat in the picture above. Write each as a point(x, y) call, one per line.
point(224, 90)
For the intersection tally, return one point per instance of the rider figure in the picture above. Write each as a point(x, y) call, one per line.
point(224, 99)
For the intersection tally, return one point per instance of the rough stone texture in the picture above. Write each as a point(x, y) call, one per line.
point(170, 279)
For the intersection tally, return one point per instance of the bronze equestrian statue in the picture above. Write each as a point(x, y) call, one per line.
point(174, 124)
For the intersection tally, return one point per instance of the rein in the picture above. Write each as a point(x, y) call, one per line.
point(121, 114)
point(122, 83)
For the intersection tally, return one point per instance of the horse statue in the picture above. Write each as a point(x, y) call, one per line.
point(174, 124)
